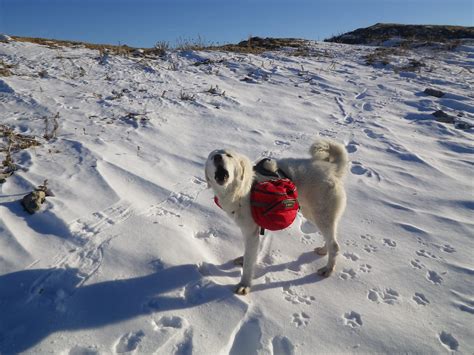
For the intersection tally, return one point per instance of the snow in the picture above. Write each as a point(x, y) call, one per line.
point(132, 255)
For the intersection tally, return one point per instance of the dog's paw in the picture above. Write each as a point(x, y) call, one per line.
point(325, 271)
point(242, 290)
point(321, 251)
point(239, 261)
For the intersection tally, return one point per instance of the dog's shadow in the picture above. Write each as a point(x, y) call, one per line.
point(38, 302)
point(230, 269)
point(295, 266)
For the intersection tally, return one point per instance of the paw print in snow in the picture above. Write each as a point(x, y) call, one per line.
point(434, 277)
point(291, 295)
point(426, 254)
point(347, 274)
point(352, 319)
point(351, 243)
point(365, 268)
point(446, 248)
point(369, 248)
point(420, 299)
point(300, 319)
point(351, 256)
point(389, 243)
point(389, 296)
point(417, 264)
point(307, 239)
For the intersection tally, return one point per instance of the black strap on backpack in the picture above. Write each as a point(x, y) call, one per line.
point(278, 174)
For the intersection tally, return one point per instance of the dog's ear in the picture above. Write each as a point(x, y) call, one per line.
point(245, 167)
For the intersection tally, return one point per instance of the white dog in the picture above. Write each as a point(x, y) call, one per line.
point(321, 197)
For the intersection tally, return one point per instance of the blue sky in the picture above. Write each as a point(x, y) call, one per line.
point(145, 22)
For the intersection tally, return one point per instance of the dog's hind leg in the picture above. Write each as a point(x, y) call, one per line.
point(327, 224)
point(326, 215)
point(331, 247)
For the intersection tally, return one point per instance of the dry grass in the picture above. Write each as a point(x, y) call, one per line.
point(123, 50)
point(12, 142)
point(5, 69)
point(43, 74)
point(135, 119)
point(172, 66)
point(258, 45)
point(214, 90)
point(382, 55)
point(302, 52)
point(54, 43)
point(160, 49)
point(253, 45)
point(235, 48)
point(192, 44)
point(209, 62)
point(413, 65)
point(183, 95)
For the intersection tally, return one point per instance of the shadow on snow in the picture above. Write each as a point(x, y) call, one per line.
point(38, 302)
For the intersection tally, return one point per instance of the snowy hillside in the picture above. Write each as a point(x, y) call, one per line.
point(132, 255)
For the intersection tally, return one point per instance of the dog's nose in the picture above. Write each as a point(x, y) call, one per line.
point(217, 158)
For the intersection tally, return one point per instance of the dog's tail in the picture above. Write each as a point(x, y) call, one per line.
point(332, 152)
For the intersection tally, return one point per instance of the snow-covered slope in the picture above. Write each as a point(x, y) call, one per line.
point(131, 254)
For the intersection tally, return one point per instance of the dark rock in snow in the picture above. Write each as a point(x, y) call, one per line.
point(463, 125)
point(442, 116)
point(434, 92)
point(33, 201)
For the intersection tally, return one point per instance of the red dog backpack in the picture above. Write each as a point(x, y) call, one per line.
point(274, 203)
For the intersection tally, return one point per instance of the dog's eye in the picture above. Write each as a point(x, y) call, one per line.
point(229, 156)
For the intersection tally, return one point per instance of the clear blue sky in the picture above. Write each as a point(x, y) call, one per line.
point(145, 22)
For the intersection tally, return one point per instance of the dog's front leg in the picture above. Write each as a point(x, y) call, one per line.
point(252, 241)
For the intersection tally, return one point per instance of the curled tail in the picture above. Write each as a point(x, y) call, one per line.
point(331, 152)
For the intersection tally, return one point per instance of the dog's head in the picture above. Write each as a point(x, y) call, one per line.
point(225, 168)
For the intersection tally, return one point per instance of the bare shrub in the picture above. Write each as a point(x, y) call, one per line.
point(173, 66)
point(191, 44)
point(382, 55)
point(183, 95)
point(160, 49)
point(214, 90)
point(43, 74)
point(12, 142)
point(5, 68)
point(51, 126)
point(413, 65)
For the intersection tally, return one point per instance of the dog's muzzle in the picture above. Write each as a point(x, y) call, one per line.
point(221, 176)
